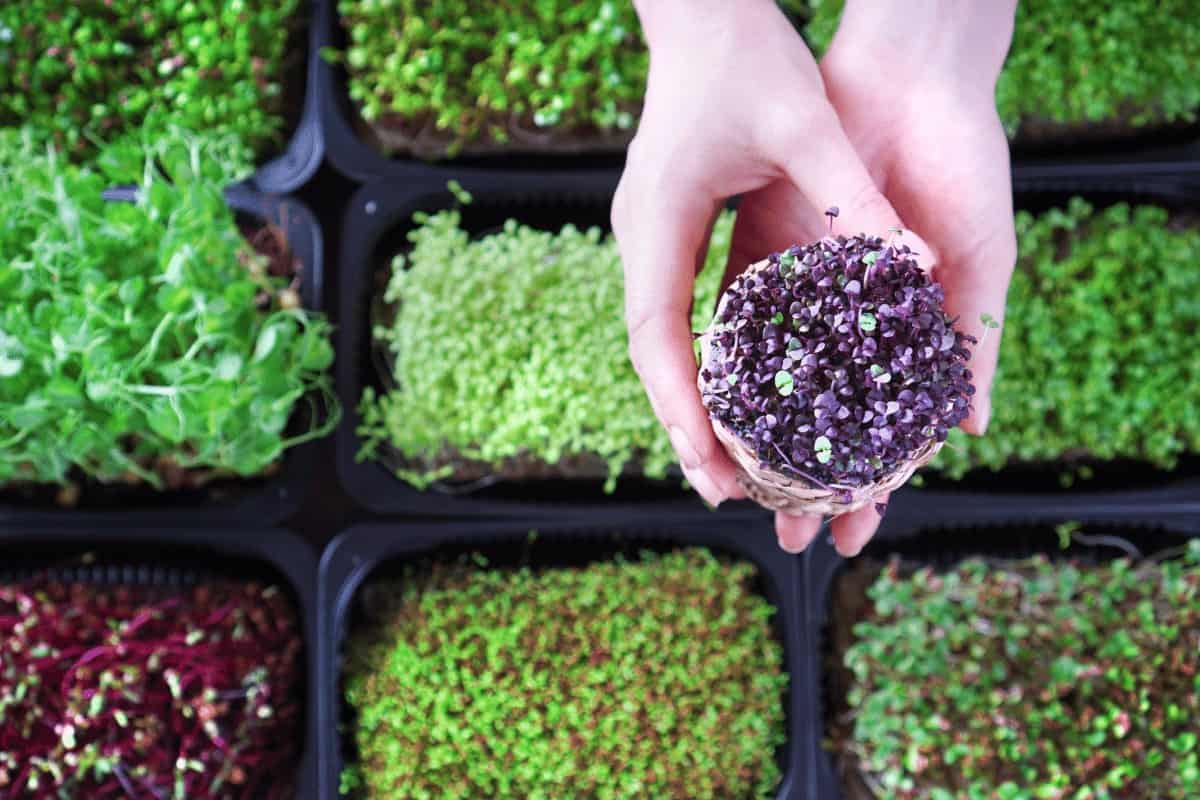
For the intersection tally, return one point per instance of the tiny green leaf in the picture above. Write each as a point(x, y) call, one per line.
point(784, 382)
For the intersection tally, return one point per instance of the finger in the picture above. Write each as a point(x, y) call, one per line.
point(825, 167)
point(796, 532)
point(769, 220)
point(660, 228)
point(978, 285)
point(852, 531)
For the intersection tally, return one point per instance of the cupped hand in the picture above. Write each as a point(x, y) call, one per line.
point(914, 93)
point(735, 105)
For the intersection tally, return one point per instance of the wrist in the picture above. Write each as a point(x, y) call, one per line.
point(944, 46)
point(665, 22)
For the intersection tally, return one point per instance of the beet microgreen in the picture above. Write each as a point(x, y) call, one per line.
point(655, 677)
point(1098, 359)
point(147, 341)
point(866, 371)
point(552, 385)
point(127, 692)
point(1030, 679)
point(75, 72)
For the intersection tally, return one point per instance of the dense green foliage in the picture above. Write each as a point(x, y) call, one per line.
point(75, 71)
point(137, 338)
point(513, 345)
point(577, 66)
point(624, 679)
point(573, 68)
point(1076, 61)
point(1034, 680)
point(1098, 359)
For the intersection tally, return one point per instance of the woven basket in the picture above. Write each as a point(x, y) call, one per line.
point(778, 492)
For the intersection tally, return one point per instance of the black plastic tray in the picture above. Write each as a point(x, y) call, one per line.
point(1033, 494)
point(261, 501)
point(1171, 173)
point(942, 548)
point(379, 214)
point(357, 159)
point(367, 550)
point(172, 557)
point(290, 169)
point(377, 217)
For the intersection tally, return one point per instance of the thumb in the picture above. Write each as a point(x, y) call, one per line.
point(830, 174)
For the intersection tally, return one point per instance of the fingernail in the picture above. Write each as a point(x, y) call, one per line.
point(683, 447)
point(784, 547)
point(705, 486)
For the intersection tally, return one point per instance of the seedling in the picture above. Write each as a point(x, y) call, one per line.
point(1139, 63)
point(1098, 359)
point(144, 342)
point(652, 677)
point(125, 692)
point(989, 323)
point(871, 373)
point(468, 397)
point(78, 73)
point(1029, 679)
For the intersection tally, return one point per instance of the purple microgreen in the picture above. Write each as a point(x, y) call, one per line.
point(873, 370)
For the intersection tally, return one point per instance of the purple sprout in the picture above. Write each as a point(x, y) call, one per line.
point(837, 361)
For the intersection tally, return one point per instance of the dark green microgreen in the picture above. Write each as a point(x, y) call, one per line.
point(1140, 64)
point(78, 73)
point(1098, 361)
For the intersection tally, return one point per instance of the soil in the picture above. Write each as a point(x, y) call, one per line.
point(81, 490)
point(395, 135)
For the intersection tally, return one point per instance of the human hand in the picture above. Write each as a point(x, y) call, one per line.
point(734, 103)
point(914, 91)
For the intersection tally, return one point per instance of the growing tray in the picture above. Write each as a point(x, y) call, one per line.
point(377, 219)
point(172, 557)
point(369, 551)
point(356, 158)
point(379, 214)
point(1169, 171)
point(287, 170)
point(1032, 493)
point(254, 501)
point(942, 548)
